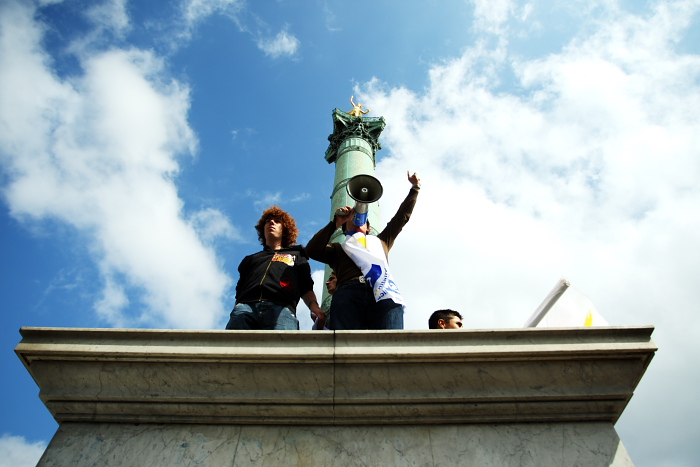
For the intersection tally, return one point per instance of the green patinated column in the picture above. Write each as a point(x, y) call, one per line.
point(353, 148)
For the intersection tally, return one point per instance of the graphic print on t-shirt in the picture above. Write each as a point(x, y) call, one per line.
point(286, 258)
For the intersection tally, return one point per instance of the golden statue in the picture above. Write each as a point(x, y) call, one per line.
point(357, 109)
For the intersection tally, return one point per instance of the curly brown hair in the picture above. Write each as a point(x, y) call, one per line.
point(289, 225)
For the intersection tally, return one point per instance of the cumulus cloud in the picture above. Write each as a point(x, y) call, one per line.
point(283, 44)
point(111, 15)
point(211, 225)
point(100, 152)
point(15, 451)
point(583, 164)
point(490, 15)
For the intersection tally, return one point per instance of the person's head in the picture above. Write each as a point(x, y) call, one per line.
point(332, 283)
point(276, 223)
point(445, 319)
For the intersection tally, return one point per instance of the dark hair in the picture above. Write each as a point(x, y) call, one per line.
point(445, 314)
point(289, 226)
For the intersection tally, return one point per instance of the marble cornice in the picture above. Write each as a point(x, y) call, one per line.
point(336, 378)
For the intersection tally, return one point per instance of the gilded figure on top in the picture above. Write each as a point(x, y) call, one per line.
point(357, 110)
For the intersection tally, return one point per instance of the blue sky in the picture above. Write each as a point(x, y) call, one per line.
point(139, 142)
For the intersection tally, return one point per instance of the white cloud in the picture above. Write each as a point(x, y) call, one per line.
point(15, 451)
point(211, 224)
point(490, 15)
point(581, 167)
point(330, 19)
point(264, 200)
point(590, 173)
point(196, 11)
point(114, 299)
point(100, 153)
point(111, 15)
point(282, 44)
point(300, 197)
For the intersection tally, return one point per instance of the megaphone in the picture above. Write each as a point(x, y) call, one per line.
point(364, 189)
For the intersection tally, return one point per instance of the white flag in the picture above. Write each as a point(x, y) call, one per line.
point(566, 307)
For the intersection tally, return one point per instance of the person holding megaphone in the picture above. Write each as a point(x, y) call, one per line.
point(366, 296)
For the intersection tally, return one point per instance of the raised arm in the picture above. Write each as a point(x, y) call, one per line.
point(402, 216)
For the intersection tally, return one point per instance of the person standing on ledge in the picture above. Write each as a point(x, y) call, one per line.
point(272, 280)
point(445, 319)
point(366, 296)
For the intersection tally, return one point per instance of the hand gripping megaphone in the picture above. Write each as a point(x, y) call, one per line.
point(364, 189)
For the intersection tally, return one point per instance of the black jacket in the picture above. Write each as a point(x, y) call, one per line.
point(280, 277)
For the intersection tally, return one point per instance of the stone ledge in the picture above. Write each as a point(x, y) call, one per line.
point(336, 378)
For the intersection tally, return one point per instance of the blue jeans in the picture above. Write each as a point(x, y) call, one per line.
point(262, 315)
point(354, 307)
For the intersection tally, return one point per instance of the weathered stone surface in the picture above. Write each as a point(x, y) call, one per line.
point(484, 445)
point(494, 397)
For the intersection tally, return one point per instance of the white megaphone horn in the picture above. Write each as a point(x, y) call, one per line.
point(364, 189)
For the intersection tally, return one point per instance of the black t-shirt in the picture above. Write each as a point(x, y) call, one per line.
point(280, 276)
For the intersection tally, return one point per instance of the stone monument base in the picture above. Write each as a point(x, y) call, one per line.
point(483, 445)
point(524, 397)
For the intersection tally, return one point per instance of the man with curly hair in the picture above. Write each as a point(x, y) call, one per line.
point(272, 280)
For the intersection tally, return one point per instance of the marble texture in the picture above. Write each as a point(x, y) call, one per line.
point(351, 377)
point(484, 397)
point(588, 444)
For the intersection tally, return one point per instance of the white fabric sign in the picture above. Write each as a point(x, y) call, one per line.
point(367, 253)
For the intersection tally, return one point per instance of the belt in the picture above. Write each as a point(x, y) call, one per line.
point(354, 280)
